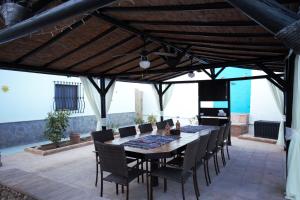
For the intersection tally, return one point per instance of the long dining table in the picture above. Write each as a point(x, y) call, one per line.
point(154, 154)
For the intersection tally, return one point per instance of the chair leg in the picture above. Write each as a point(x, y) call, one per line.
point(207, 169)
point(205, 173)
point(165, 180)
point(123, 189)
point(151, 187)
point(138, 178)
point(97, 171)
point(223, 156)
point(101, 188)
point(227, 152)
point(196, 188)
point(127, 191)
point(182, 190)
point(147, 179)
point(117, 189)
point(142, 170)
point(215, 164)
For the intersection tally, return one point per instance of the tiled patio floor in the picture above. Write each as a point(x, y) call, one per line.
point(256, 171)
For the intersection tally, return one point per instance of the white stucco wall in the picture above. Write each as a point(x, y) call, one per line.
point(262, 106)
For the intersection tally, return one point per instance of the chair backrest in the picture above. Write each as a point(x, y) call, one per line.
point(227, 131)
point(161, 125)
point(127, 131)
point(220, 139)
point(145, 128)
point(190, 154)
point(103, 136)
point(112, 158)
point(212, 142)
point(202, 146)
point(170, 122)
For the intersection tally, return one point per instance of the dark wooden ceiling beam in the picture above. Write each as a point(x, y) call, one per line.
point(272, 75)
point(254, 44)
point(94, 39)
point(49, 17)
point(203, 66)
point(238, 48)
point(233, 53)
point(191, 7)
point(53, 39)
point(274, 17)
point(225, 79)
point(268, 13)
point(101, 52)
point(146, 36)
point(210, 34)
point(193, 23)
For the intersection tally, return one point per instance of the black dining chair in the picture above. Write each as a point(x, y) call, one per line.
point(220, 144)
point(127, 131)
point(210, 151)
point(201, 153)
point(180, 175)
point(170, 122)
point(113, 160)
point(101, 136)
point(161, 125)
point(145, 128)
point(226, 138)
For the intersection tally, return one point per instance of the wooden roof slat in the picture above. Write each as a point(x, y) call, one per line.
point(135, 59)
point(102, 52)
point(53, 39)
point(99, 36)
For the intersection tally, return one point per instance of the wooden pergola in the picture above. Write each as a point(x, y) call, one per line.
point(87, 37)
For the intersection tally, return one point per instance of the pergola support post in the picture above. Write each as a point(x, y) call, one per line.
point(102, 90)
point(288, 98)
point(160, 91)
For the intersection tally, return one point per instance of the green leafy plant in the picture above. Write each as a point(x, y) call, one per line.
point(139, 120)
point(152, 119)
point(56, 124)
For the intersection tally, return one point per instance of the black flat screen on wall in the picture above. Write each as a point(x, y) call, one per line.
point(213, 91)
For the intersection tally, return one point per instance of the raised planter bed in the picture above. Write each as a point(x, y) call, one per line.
point(49, 149)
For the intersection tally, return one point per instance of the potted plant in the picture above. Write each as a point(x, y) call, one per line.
point(152, 119)
point(139, 120)
point(56, 124)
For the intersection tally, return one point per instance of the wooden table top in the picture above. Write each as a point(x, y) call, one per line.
point(184, 139)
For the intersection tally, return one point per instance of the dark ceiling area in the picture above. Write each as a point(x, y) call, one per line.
point(201, 35)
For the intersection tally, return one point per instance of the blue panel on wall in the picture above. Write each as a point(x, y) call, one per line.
point(240, 91)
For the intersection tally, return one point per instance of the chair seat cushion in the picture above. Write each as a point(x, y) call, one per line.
point(177, 161)
point(132, 174)
point(130, 160)
point(174, 174)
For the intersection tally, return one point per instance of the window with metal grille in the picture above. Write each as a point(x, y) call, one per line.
point(68, 96)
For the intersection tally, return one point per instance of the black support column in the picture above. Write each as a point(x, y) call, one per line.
point(102, 90)
point(103, 101)
point(288, 98)
point(160, 91)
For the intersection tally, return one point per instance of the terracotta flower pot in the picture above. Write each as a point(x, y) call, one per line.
point(75, 138)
